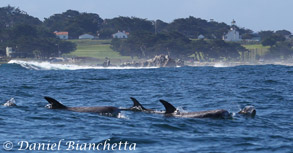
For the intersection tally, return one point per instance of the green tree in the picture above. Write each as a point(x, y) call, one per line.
point(33, 41)
point(272, 40)
point(11, 16)
point(146, 45)
point(283, 32)
point(217, 50)
point(265, 34)
point(75, 23)
point(128, 24)
point(281, 50)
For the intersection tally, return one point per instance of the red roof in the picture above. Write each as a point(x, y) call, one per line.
point(61, 33)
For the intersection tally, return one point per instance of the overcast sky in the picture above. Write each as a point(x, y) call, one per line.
point(256, 15)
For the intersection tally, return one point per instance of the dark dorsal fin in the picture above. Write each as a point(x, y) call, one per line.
point(136, 103)
point(55, 104)
point(169, 107)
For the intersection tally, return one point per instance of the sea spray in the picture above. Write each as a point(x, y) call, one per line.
point(44, 65)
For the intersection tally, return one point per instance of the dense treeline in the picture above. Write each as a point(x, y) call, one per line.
point(28, 37)
point(75, 23)
point(33, 41)
point(216, 50)
point(10, 16)
point(280, 46)
point(128, 24)
point(79, 23)
point(192, 27)
point(177, 46)
point(174, 44)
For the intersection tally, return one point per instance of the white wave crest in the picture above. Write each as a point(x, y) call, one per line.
point(220, 65)
point(36, 65)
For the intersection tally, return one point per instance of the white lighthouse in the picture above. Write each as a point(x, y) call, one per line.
point(233, 34)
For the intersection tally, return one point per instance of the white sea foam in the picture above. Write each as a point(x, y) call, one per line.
point(233, 64)
point(180, 109)
point(122, 115)
point(36, 65)
point(220, 65)
point(215, 64)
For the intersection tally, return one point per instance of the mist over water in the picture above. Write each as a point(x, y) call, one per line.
point(267, 87)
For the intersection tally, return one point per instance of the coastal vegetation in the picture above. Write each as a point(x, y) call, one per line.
point(279, 46)
point(74, 22)
point(30, 37)
point(175, 45)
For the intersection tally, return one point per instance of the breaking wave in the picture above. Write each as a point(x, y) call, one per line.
point(43, 65)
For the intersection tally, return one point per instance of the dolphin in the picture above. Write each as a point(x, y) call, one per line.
point(218, 113)
point(248, 111)
point(10, 102)
point(139, 108)
point(172, 111)
point(103, 110)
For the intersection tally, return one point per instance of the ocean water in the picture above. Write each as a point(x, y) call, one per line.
point(268, 87)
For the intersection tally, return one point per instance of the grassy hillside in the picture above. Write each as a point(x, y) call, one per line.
point(97, 49)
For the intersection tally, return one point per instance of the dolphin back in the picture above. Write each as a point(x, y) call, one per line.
point(54, 103)
point(169, 107)
point(248, 111)
point(136, 104)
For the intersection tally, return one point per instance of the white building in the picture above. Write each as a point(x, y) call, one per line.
point(9, 51)
point(233, 34)
point(200, 37)
point(62, 35)
point(86, 36)
point(120, 35)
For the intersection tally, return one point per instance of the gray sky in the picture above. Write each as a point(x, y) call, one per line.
point(256, 15)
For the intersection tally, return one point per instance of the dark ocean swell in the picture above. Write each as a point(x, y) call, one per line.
point(267, 87)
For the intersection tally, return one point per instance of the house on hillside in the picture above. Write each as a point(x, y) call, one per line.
point(9, 52)
point(200, 36)
point(62, 35)
point(289, 37)
point(86, 36)
point(120, 35)
point(233, 34)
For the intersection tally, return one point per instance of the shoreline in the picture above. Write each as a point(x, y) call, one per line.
point(191, 64)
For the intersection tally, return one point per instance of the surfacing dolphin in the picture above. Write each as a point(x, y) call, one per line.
point(248, 111)
point(103, 110)
point(219, 113)
point(139, 108)
point(172, 111)
point(10, 102)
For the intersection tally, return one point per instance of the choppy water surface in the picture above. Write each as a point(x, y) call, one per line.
point(268, 88)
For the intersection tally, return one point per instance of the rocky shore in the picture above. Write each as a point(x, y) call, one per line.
point(157, 61)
